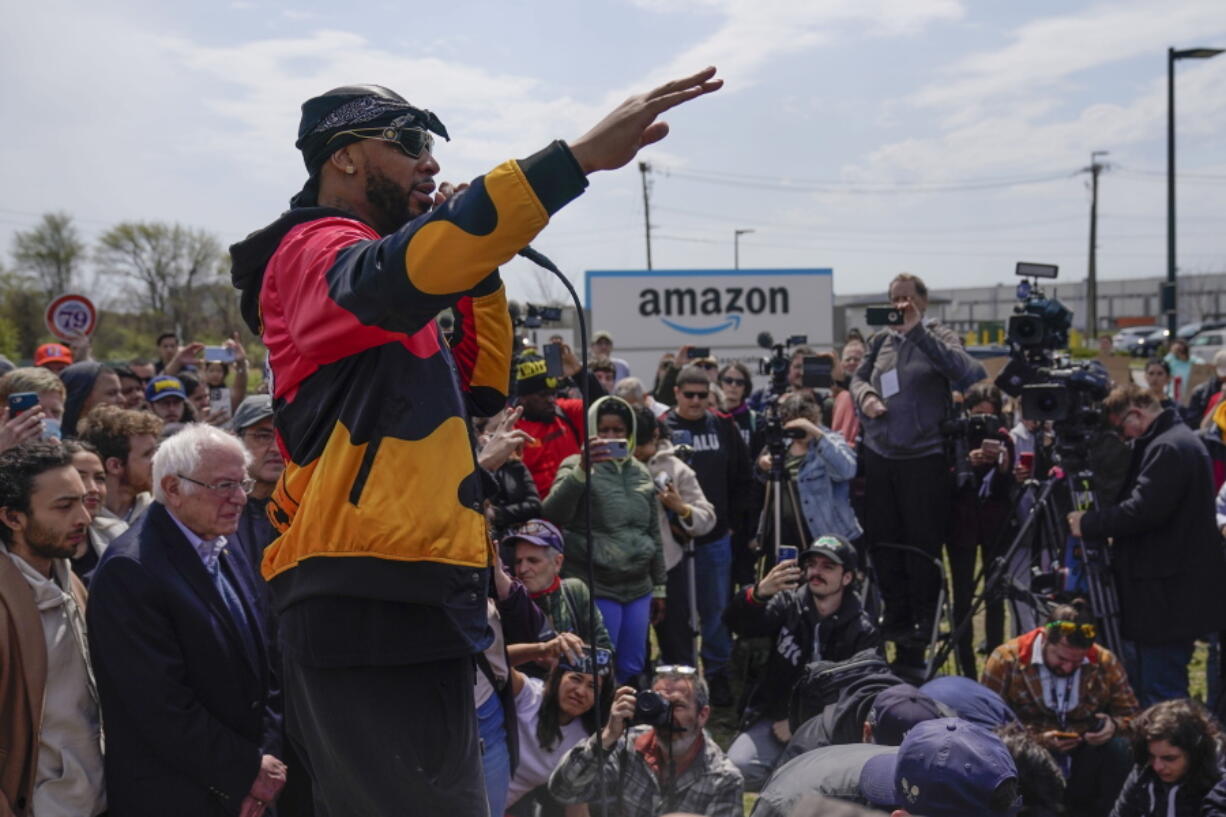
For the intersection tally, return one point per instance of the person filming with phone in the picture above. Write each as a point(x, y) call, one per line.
point(626, 546)
point(808, 605)
point(658, 757)
point(903, 391)
point(1074, 695)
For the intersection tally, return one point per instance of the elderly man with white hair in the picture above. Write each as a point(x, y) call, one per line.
point(179, 639)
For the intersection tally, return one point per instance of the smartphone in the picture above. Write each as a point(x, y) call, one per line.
point(1026, 459)
point(663, 480)
point(992, 447)
point(553, 360)
point(883, 316)
point(786, 552)
point(218, 354)
point(818, 372)
point(699, 352)
point(618, 449)
point(22, 401)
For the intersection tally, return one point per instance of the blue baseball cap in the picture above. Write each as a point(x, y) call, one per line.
point(537, 532)
point(164, 386)
point(945, 768)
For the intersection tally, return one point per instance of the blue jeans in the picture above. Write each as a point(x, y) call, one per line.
point(1159, 672)
point(755, 752)
point(495, 759)
point(627, 626)
point(713, 580)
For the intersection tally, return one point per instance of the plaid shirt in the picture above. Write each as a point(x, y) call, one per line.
point(1012, 671)
point(710, 785)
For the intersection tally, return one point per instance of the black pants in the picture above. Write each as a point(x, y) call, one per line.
point(908, 503)
point(384, 741)
point(1097, 775)
point(976, 530)
point(673, 633)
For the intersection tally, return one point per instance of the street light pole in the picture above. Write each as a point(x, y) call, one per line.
point(1092, 271)
point(1171, 56)
point(736, 246)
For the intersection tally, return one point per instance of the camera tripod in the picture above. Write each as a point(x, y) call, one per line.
point(1052, 538)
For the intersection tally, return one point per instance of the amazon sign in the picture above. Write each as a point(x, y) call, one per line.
point(724, 309)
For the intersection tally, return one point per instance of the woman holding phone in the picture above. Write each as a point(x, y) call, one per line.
point(626, 545)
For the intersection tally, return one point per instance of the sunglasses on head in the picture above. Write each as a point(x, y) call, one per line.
point(695, 395)
point(1084, 633)
point(412, 140)
point(676, 670)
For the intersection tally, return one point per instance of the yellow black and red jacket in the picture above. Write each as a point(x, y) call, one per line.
point(381, 495)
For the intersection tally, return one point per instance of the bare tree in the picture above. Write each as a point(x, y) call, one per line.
point(163, 266)
point(51, 253)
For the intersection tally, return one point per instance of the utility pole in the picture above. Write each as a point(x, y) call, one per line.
point(1092, 275)
point(736, 246)
point(644, 169)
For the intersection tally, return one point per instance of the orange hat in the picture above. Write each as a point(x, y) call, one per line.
point(52, 353)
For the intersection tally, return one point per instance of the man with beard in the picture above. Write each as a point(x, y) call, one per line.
point(51, 725)
point(371, 408)
point(555, 423)
point(253, 425)
point(126, 441)
point(1074, 695)
point(660, 769)
point(818, 620)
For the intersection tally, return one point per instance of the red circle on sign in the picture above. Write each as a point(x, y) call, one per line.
point(69, 314)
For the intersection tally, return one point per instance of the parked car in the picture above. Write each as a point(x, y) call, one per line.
point(1149, 345)
point(1207, 343)
point(1189, 330)
point(1126, 339)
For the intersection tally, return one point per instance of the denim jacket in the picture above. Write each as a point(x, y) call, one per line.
point(824, 487)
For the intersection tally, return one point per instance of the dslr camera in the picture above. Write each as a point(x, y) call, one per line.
point(652, 709)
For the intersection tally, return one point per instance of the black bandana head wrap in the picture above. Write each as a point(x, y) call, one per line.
point(346, 108)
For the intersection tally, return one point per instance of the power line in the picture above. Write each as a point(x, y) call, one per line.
point(859, 188)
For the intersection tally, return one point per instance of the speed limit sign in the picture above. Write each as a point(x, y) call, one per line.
point(70, 315)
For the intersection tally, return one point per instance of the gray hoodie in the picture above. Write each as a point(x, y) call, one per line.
point(919, 370)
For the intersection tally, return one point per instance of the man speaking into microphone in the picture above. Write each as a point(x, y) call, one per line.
point(381, 566)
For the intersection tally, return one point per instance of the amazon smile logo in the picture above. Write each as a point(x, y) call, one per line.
point(709, 310)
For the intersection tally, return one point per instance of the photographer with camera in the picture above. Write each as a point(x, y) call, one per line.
point(1073, 694)
point(664, 762)
point(980, 512)
point(810, 608)
point(1168, 560)
point(903, 392)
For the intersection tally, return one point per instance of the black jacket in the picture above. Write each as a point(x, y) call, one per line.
point(721, 462)
point(1214, 804)
point(791, 618)
point(188, 711)
point(516, 499)
point(1144, 795)
point(1168, 558)
point(1198, 400)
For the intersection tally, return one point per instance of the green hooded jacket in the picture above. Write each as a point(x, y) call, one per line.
point(625, 527)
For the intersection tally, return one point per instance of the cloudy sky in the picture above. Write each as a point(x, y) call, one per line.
point(943, 137)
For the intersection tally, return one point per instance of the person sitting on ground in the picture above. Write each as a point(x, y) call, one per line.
point(944, 768)
point(675, 766)
point(629, 556)
point(555, 714)
point(970, 700)
point(819, 619)
point(834, 771)
point(32, 423)
point(1040, 782)
point(1074, 696)
point(1179, 751)
point(538, 547)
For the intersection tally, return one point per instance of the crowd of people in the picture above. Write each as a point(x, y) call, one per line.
point(409, 572)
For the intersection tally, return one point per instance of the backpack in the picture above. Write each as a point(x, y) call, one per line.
point(822, 682)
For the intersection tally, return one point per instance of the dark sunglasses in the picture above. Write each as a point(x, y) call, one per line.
point(411, 140)
point(695, 395)
point(733, 381)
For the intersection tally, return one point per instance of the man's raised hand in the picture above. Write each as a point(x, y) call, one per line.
point(632, 125)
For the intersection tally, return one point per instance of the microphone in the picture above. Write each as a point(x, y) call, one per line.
point(539, 258)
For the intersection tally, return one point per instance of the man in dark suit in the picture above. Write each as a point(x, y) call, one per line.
point(179, 637)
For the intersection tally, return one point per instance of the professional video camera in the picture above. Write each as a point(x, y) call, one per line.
point(1052, 388)
point(973, 428)
point(532, 316)
point(818, 371)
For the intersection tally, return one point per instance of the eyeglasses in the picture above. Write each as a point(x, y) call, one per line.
point(708, 366)
point(733, 381)
point(1069, 629)
point(260, 437)
point(695, 395)
point(411, 140)
point(676, 670)
point(225, 486)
